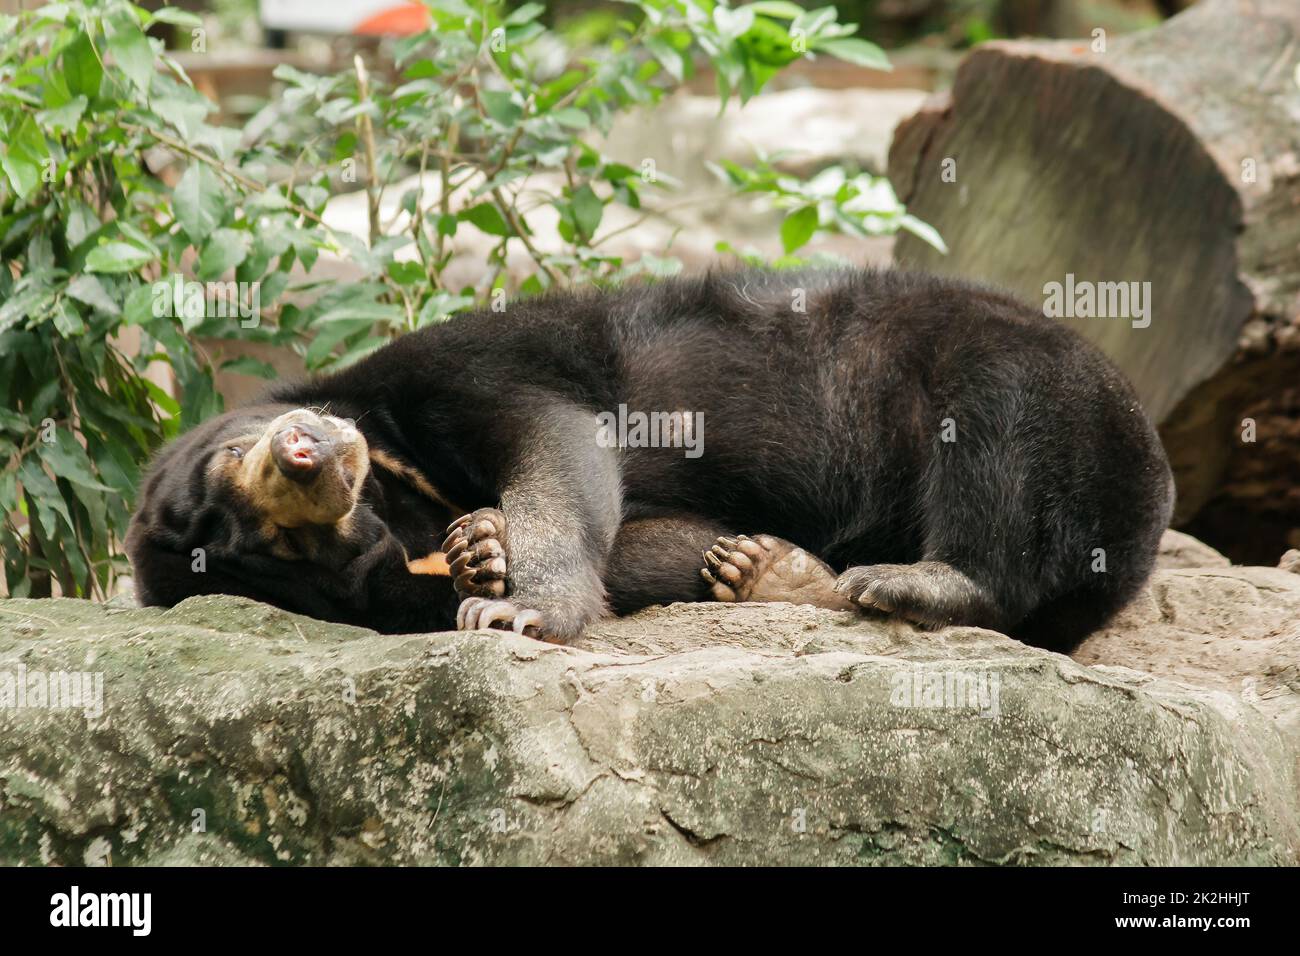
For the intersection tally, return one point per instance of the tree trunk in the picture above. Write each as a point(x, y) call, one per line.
point(1169, 157)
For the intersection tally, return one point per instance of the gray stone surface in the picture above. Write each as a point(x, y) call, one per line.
point(1178, 550)
point(232, 732)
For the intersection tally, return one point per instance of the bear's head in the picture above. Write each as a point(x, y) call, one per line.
point(277, 503)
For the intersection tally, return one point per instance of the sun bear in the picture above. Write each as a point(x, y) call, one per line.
point(936, 449)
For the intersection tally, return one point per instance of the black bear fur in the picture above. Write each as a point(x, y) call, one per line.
point(824, 426)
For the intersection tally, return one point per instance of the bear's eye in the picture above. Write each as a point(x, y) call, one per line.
point(235, 451)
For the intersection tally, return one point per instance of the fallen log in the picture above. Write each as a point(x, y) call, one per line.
point(1158, 172)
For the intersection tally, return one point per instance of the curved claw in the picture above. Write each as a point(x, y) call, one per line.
point(478, 614)
point(462, 613)
point(476, 555)
point(527, 619)
point(495, 611)
point(459, 563)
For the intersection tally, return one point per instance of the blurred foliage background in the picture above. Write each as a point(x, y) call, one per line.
point(157, 229)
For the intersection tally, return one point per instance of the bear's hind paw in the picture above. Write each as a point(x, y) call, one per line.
point(929, 593)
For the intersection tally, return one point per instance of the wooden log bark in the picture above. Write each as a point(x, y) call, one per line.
point(1170, 157)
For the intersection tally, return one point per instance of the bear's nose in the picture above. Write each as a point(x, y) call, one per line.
point(299, 451)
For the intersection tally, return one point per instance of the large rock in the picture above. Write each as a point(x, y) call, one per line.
point(232, 732)
point(1179, 550)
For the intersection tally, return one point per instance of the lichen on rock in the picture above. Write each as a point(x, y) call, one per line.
point(234, 733)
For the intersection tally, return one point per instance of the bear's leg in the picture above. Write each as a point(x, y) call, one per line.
point(987, 542)
point(559, 511)
point(656, 561)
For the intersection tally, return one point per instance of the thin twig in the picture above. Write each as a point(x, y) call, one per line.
point(367, 131)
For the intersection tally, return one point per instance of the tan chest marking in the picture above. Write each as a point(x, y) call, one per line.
point(435, 563)
point(413, 478)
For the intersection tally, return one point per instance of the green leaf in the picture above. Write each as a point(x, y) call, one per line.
point(668, 57)
point(856, 51)
point(199, 201)
point(587, 210)
point(813, 22)
point(441, 306)
point(572, 117)
point(64, 117)
point(180, 18)
point(117, 256)
point(67, 459)
point(359, 350)
point(406, 273)
point(271, 200)
point(67, 321)
point(525, 14)
point(225, 249)
point(325, 341)
point(184, 111)
point(81, 67)
point(501, 106)
point(22, 160)
point(552, 92)
point(247, 365)
point(732, 23)
point(782, 9)
point(313, 197)
point(923, 231)
point(798, 228)
point(487, 218)
point(88, 289)
point(44, 492)
point(130, 49)
point(457, 9)
point(372, 259)
point(138, 307)
point(12, 421)
point(161, 398)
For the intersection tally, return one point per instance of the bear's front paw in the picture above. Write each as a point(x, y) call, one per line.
point(476, 554)
point(483, 613)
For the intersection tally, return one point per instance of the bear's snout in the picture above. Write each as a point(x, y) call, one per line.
point(300, 451)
